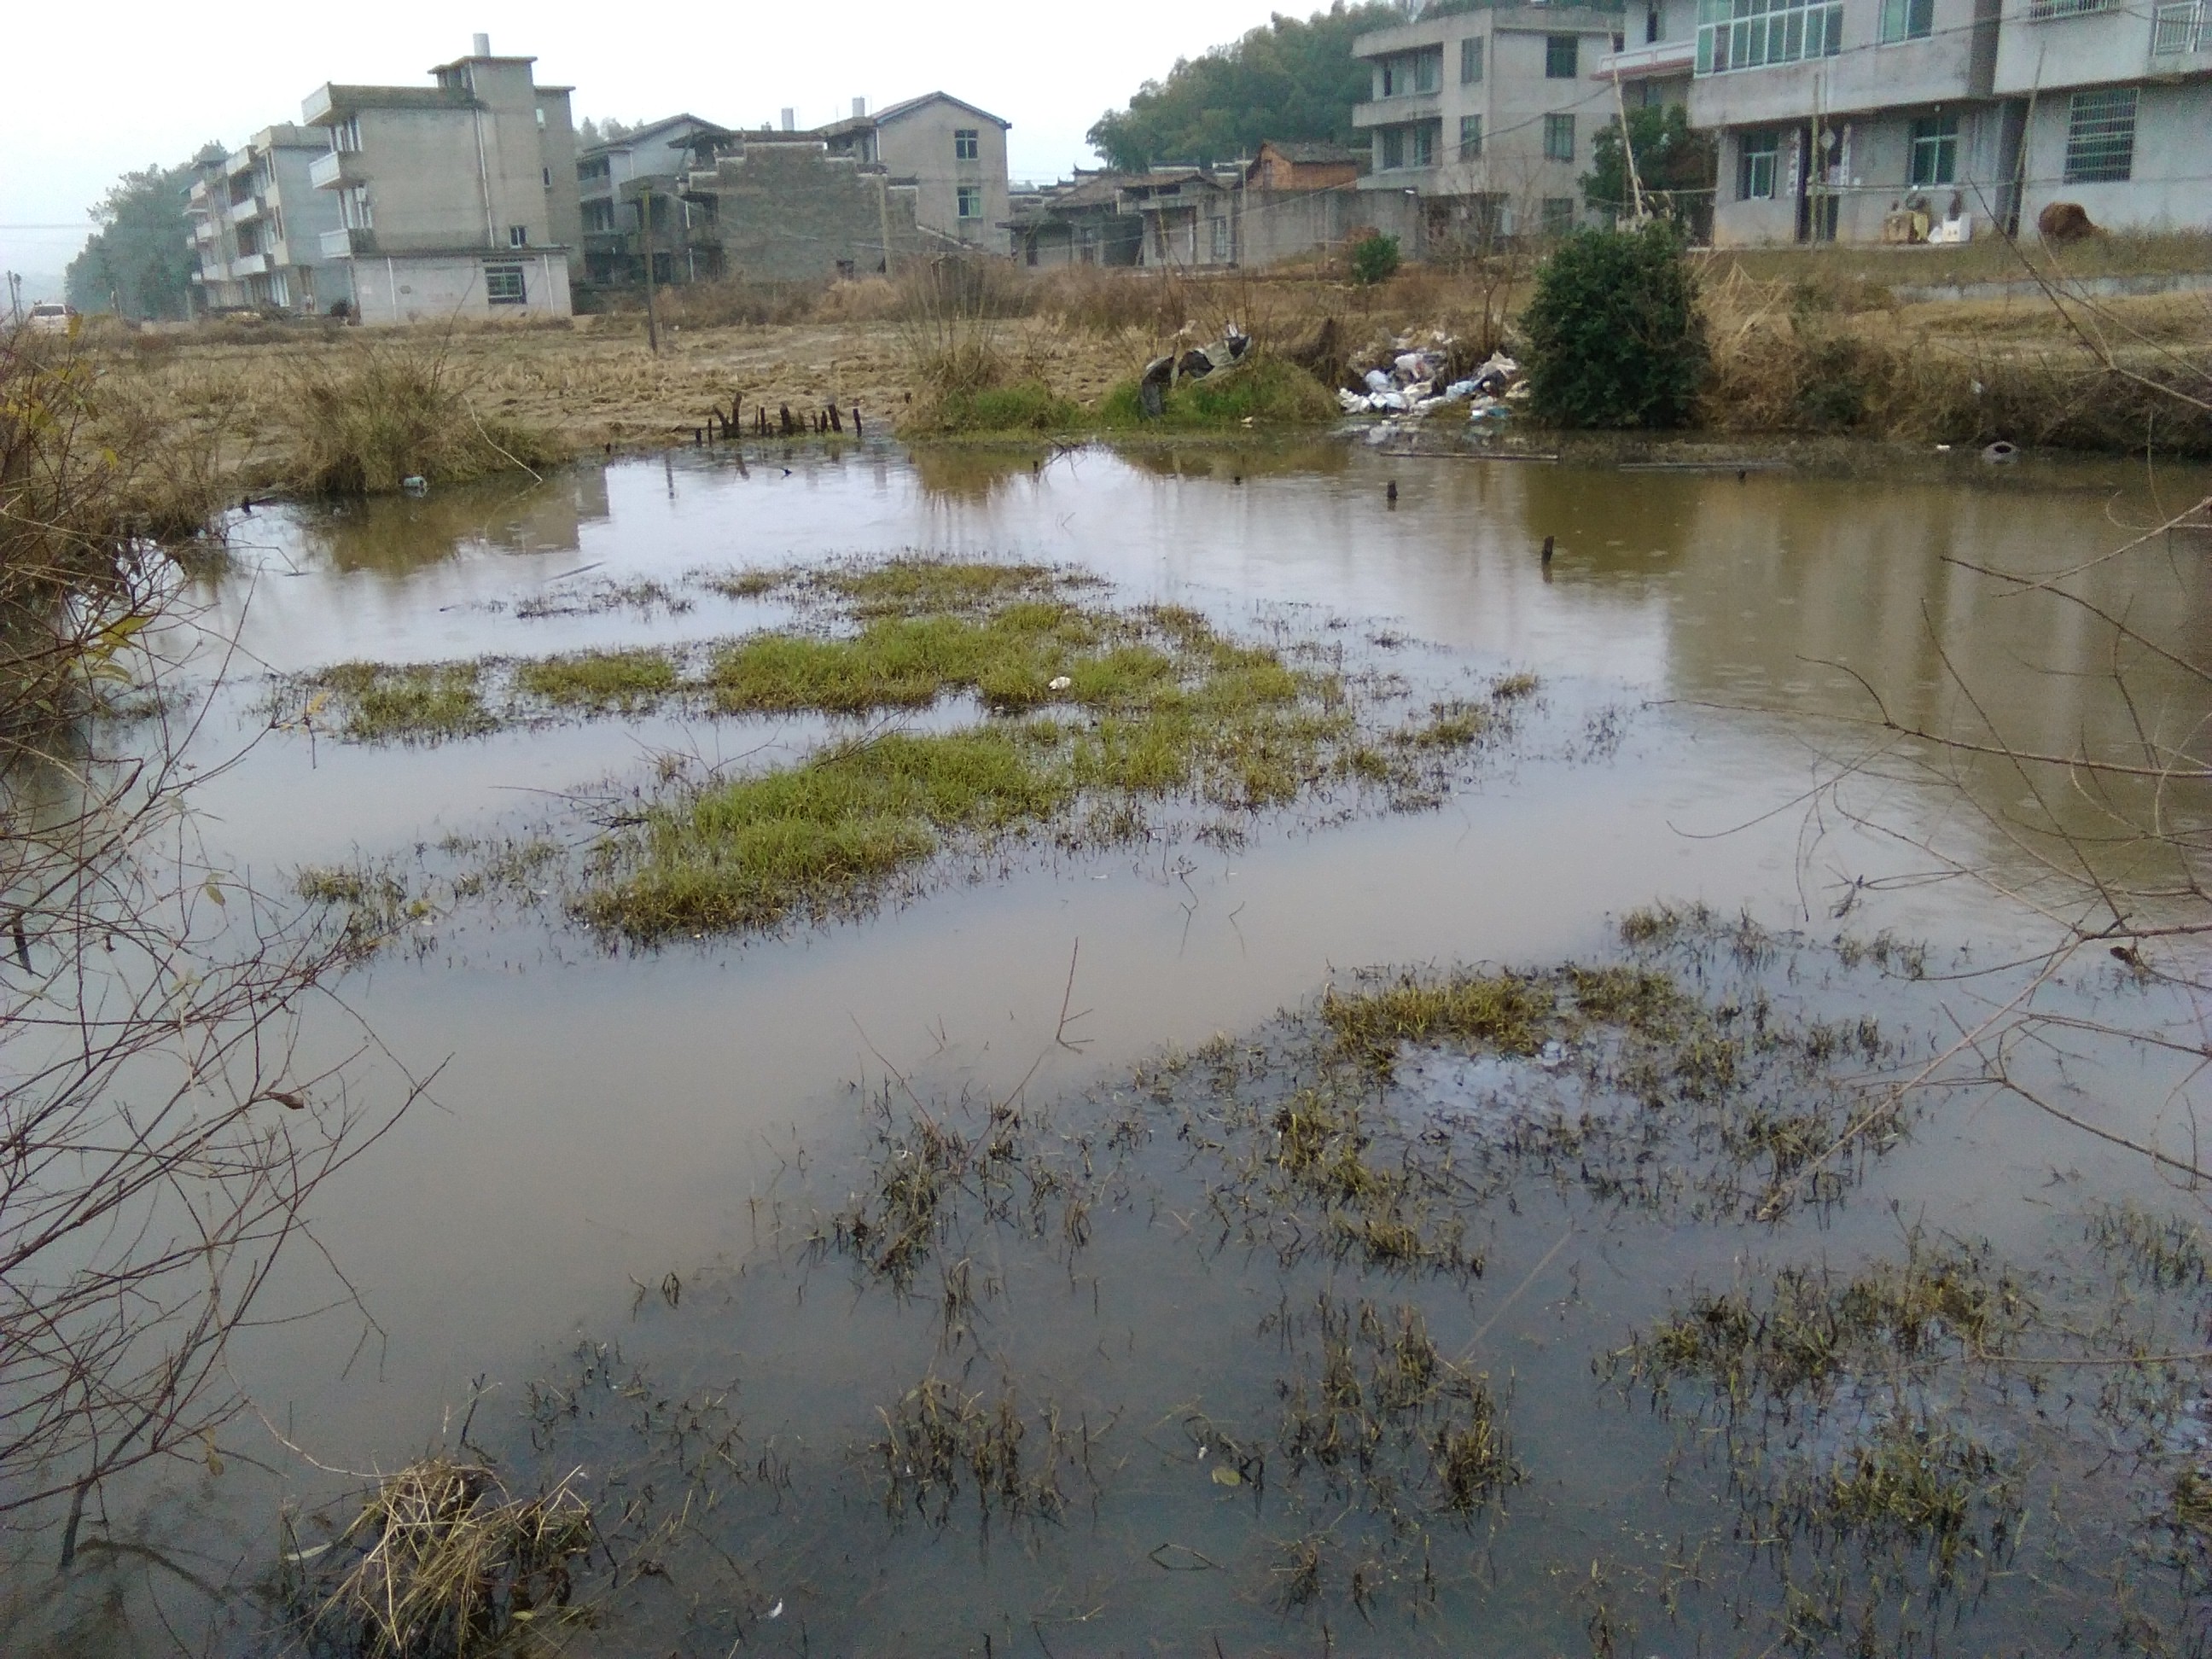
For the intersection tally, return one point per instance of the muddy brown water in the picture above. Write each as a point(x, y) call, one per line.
point(1707, 645)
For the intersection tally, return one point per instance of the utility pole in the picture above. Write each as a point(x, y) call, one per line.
point(1628, 150)
point(645, 238)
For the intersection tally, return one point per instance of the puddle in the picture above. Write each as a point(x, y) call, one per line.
point(608, 1123)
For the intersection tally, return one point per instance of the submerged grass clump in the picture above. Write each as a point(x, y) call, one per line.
point(1810, 1327)
point(1514, 1014)
point(406, 702)
point(442, 1562)
point(938, 1436)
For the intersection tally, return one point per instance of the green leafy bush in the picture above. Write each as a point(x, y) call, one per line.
point(1373, 260)
point(1614, 335)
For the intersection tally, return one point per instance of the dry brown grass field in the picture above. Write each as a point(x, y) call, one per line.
point(1801, 341)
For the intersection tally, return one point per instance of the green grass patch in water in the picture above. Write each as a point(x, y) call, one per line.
point(602, 682)
point(1262, 391)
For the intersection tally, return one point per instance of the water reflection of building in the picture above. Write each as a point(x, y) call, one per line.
point(399, 534)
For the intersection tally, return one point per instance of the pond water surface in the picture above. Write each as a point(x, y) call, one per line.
point(622, 1178)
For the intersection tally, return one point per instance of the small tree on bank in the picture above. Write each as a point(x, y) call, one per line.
point(1614, 335)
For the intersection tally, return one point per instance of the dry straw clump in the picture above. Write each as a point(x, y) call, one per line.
point(372, 416)
point(442, 1562)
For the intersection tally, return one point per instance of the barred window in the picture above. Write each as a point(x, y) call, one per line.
point(1741, 34)
point(1470, 138)
point(2101, 137)
point(503, 285)
point(1470, 60)
point(1559, 138)
point(2064, 8)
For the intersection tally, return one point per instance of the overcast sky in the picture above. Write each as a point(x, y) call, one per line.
point(135, 83)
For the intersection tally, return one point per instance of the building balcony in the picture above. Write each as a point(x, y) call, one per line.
point(335, 168)
point(1390, 112)
point(1420, 181)
point(250, 265)
point(343, 243)
point(2180, 28)
point(1661, 57)
point(246, 211)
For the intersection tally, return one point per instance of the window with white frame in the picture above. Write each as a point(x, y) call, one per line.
point(967, 143)
point(517, 235)
point(345, 136)
point(1744, 34)
point(354, 208)
point(1758, 158)
point(971, 201)
point(503, 285)
point(2101, 137)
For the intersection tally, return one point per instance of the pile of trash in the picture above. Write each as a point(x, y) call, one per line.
point(1194, 364)
point(1411, 382)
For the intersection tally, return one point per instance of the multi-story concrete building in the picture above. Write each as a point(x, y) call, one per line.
point(660, 150)
point(772, 206)
point(1853, 120)
point(2115, 106)
point(953, 154)
point(257, 227)
point(457, 199)
point(1486, 117)
point(1914, 120)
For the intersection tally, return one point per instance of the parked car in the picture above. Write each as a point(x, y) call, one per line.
point(47, 317)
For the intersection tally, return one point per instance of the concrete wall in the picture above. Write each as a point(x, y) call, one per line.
point(419, 166)
point(316, 279)
point(1276, 225)
point(557, 154)
point(2088, 49)
point(788, 213)
point(2172, 189)
point(441, 288)
point(918, 144)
